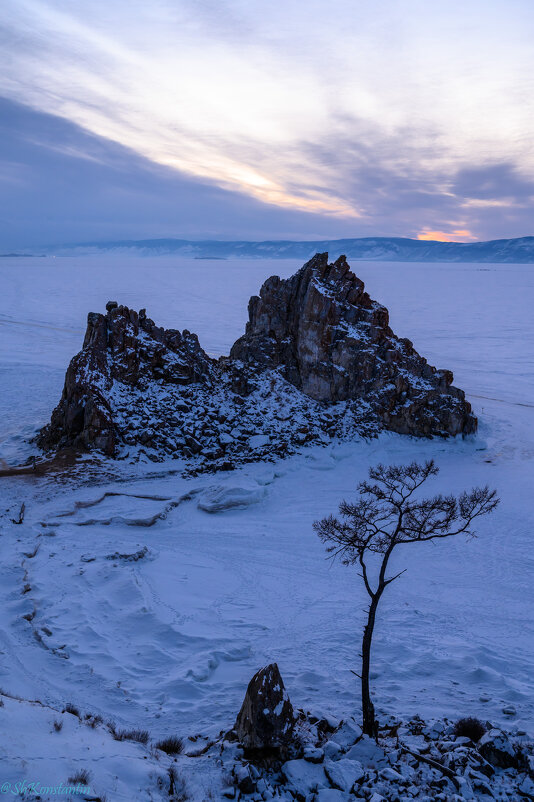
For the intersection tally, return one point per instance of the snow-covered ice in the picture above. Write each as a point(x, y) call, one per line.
point(229, 575)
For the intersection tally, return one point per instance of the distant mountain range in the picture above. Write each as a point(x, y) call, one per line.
point(381, 249)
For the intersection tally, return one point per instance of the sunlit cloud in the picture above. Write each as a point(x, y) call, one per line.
point(457, 235)
point(486, 203)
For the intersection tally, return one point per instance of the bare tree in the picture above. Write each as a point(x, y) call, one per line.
point(389, 513)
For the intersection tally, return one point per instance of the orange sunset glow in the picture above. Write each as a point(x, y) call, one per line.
point(458, 235)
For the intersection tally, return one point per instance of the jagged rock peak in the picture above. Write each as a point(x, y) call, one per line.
point(333, 342)
point(126, 347)
point(141, 350)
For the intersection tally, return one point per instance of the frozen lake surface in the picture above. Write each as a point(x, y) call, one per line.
point(169, 642)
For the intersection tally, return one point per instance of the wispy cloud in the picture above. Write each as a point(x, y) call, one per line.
point(59, 183)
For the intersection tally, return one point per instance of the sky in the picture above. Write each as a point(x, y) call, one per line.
point(263, 119)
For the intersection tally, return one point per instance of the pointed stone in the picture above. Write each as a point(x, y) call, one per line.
point(266, 719)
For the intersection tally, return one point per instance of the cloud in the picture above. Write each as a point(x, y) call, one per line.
point(340, 119)
point(497, 184)
point(63, 184)
point(234, 92)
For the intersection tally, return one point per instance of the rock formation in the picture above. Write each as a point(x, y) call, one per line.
point(266, 719)
point(334, 343)
point(317, 360)
point(121, 347)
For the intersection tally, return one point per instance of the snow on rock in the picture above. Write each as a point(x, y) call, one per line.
point(332, 795)
point(451, 769)
point(367, 752)
point(225, 497)
point(344, 773)
point(332, 750)
point(266, 719)
point(303, 776)
point(496, 747)
point(445, 766)
point(318, 360)
point(259, 440)
point(348, 733)
point(313, 754)
point(170, 643)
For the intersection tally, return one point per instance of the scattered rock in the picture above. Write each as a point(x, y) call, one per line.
point(332, 750)
point(313, 754)
point(391, 775)
point(377, 798)
point(367, 752)
point(332, 795)
point(303, 776)
point(132, 558)
point(526, 788)
point(449, 769)
point(348, 733)
point(245, 783)
point(259, 441)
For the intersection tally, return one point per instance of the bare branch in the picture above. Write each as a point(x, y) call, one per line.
point(393, 578)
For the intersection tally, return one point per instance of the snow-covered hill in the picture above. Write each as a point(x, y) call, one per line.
point(389, 249)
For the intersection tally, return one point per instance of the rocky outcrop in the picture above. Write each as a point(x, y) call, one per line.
point(123, 348)
point(266, 719)
point(318, 360)
point(334, 344)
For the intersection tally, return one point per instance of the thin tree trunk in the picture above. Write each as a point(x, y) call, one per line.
point(368, 710)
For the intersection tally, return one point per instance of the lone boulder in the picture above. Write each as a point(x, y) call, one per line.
point(266, 719)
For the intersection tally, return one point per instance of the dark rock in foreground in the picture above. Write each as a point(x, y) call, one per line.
point(317, 360)
point(266, 719)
